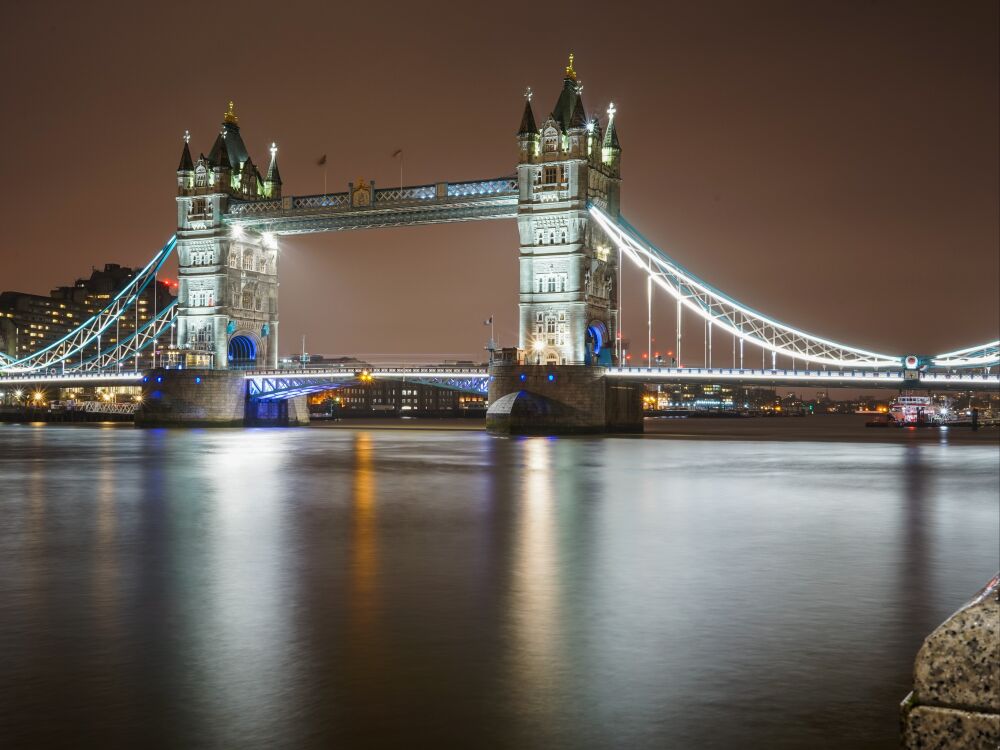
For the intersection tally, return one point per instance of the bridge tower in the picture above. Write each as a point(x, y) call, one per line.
point(568, 271)
point(227, 312)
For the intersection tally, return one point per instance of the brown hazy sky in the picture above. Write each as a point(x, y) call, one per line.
point(834, 164)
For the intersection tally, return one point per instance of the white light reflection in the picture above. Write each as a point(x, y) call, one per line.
point(240, 581)
point(535, 605)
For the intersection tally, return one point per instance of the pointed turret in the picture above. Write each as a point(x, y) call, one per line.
point(528, 134)
point(562, 113)
point(186, 163)
point(528, 126)
point(611, 149)
point(272, 185)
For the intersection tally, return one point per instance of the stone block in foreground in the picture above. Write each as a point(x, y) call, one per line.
point(955, 701)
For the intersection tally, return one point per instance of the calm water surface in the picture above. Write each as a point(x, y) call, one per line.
point(408, 588)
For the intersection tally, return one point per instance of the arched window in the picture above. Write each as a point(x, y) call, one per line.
point(552, 284)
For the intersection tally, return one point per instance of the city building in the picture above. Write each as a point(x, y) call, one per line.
point(30, 322)
point(396, 397)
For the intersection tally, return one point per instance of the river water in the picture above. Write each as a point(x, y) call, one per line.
point(373, 587)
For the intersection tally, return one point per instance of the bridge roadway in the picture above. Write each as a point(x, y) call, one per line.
point(440, 203)
point(288, 383)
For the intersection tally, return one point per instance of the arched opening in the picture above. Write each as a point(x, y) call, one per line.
point(598, 345)
point(242, 352)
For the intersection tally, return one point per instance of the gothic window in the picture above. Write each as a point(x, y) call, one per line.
point(552, 284)
point(247, 300)
point(552, 236)
point(248, 260)
point(203, 335)
point(562, 316)
point(562, 283)
point(540, 287)
point(550, 325)
point(539, 235)
point(562, 236)
point(200, 176)
point(538, 318)
point(551, 174)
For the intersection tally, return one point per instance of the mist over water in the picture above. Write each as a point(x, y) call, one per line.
point(441, 588)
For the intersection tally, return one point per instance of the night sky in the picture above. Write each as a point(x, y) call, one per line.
point(834, 164)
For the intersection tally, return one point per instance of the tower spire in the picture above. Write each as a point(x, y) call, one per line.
point(528, 126)
point(273, 175)
point(229, 116)
point(570, 72)
point(186, 163)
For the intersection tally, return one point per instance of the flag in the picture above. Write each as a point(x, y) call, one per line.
point(321, 161)
point(488, 321)
point(396, 153)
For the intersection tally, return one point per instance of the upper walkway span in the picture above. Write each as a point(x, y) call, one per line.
point(364, 207)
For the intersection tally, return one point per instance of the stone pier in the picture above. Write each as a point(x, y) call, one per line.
point(559, 400)
point(955, 701)
point(210, 398)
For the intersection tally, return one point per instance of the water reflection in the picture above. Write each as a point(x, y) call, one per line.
point(364, 541)
point(535, 587)
point(317, 588)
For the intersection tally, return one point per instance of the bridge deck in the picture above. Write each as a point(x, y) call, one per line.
point(264, 381)
point(439, 203)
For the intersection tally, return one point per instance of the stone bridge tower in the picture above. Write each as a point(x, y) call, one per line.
point(568, 272)
point(228, 278)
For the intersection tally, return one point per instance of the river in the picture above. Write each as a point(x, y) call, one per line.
point(761, 585)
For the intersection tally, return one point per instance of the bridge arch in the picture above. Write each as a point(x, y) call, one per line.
point(243, 351)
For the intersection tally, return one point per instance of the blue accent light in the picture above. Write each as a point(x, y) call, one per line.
point(551, 377)
point(159, 378)
point(145, 378)
point(523, 377)
point(197, 379)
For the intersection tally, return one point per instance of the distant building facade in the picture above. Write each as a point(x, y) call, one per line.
point(30, 322)
point(391, 397)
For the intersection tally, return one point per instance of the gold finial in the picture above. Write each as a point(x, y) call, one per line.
point(230, 115)
point(570, 73)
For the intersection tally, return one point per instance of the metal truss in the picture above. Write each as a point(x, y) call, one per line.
point(128, 349)
point(282, 387)
point(984, 355)
point(728, 314)
point(277, 385)
point(109, 407)
point(390, 207)
point(66, 353)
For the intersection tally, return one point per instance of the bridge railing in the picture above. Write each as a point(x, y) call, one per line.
point(443, 192)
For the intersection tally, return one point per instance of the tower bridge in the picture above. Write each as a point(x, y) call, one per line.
point(569, 370)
